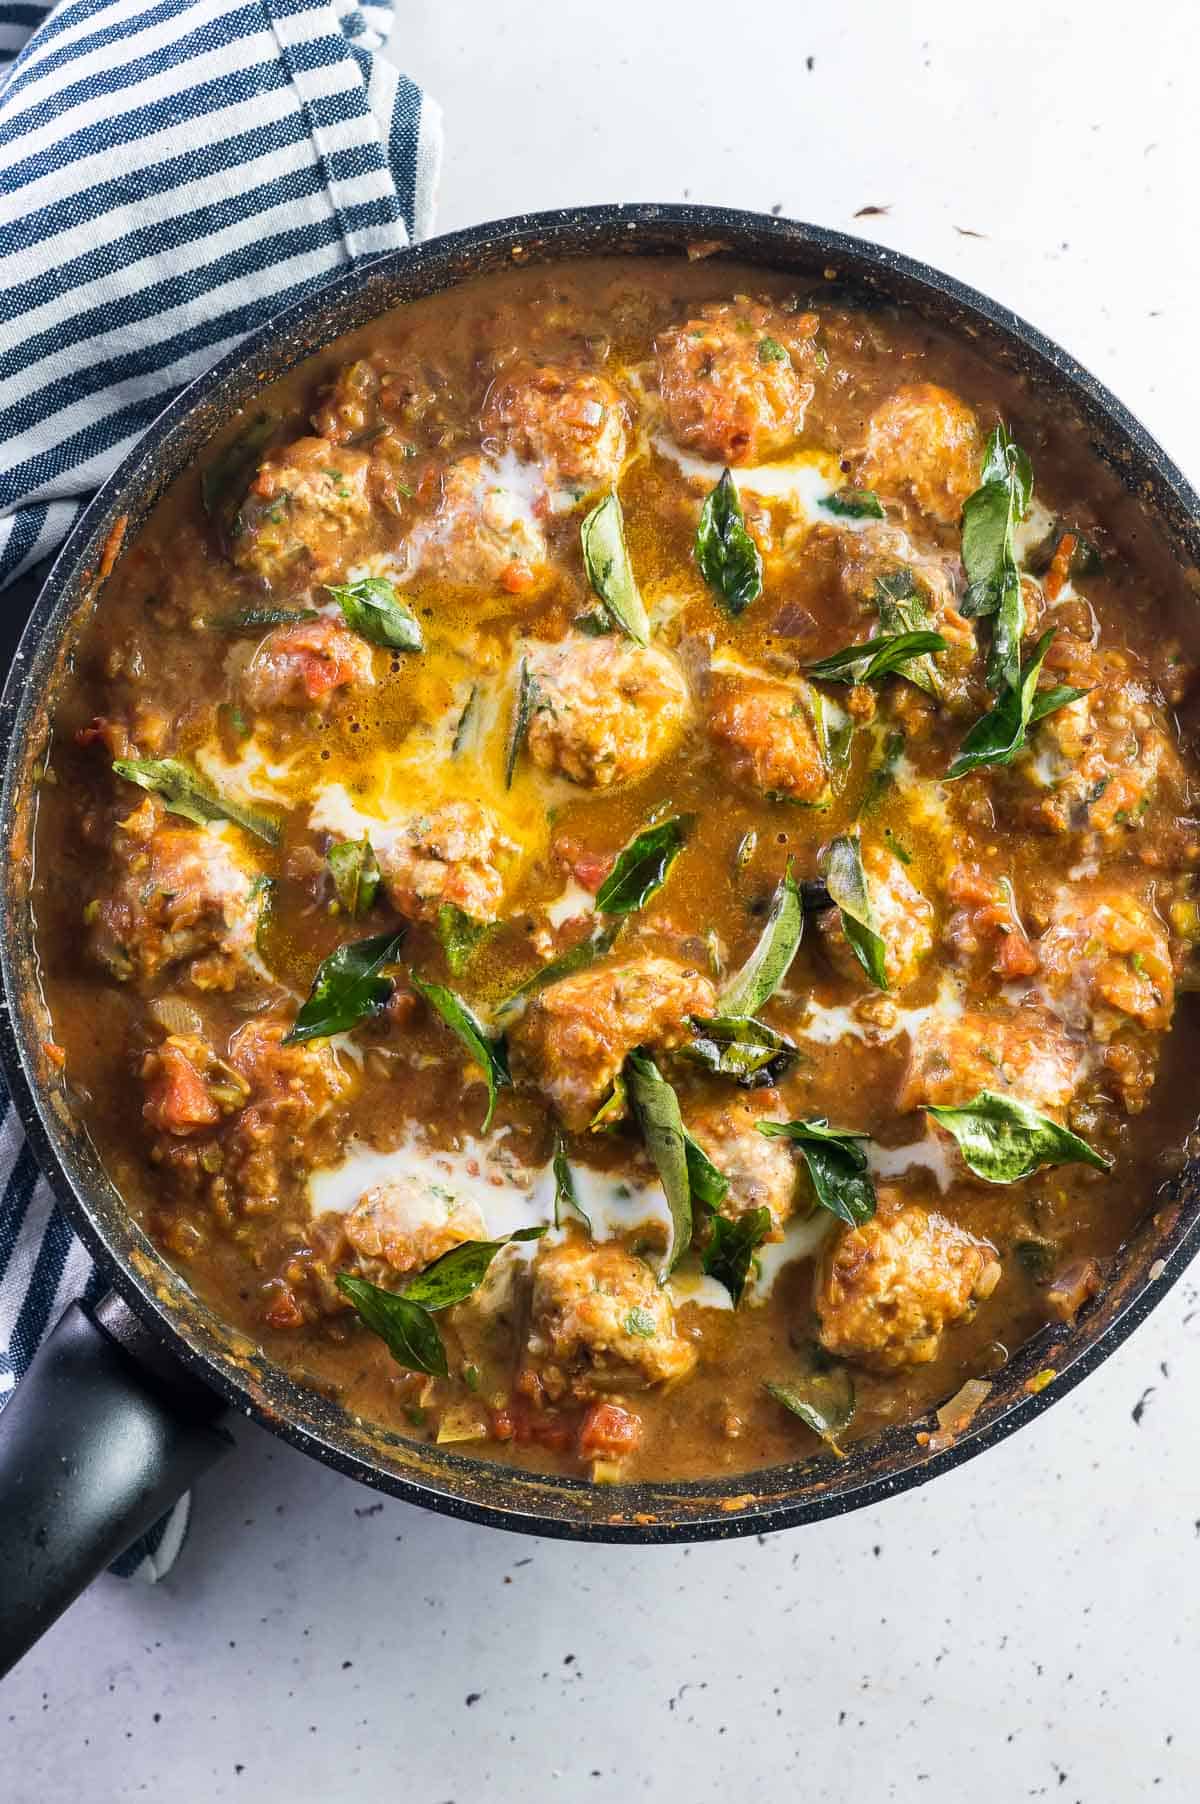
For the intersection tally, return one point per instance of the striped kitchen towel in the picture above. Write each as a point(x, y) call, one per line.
point(172, 172)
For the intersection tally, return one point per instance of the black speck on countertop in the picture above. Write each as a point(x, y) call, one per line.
point(1139, 1408)
point(370, 1509)
point(473, 1697)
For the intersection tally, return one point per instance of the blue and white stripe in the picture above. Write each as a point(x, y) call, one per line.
point(171, 174)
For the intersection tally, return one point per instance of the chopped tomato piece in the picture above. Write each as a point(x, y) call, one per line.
point(1059, 573)
point(607, 1432)
point(177, 1100)
point(517, 577)
point(283, 1311)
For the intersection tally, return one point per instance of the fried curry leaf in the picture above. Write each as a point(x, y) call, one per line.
point(656, 1110)
point(989, 519)
point(887, 654)
point(522, 714)
point(643, 865)
point(902, 609)
point(823, 1398)
point(853, 504)
point(738, 1046)
point(836, 1163)
point(224, 480)
point(731, 1246)
point(566, 1202)
point(466, 721)
point(488, 1053)
point(998, 736)
point(612, 1110)
point(606, 560)
point(349, 987)
point(767, 965)
point(708, 1185)
point(372, 608)
point(847, 883)
point(460, 935)
point(882, 771)
point(453, 1277)
point(403, 1320)
point(407, 1330)
point(575, 958)
point(262, 891)
point(355, 872)
point(1003, 1140)
point(253, 620)
point(729, 560)
point(184, 791)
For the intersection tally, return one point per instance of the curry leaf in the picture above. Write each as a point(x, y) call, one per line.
point(1003, 1140)
point(408, 1331)
point(466, 721)
point(989, 519)
point(355, 872)
point(731, 1246)
point(729, 560)
point(643, 865)
point(566, 1202)
point(606, 560)
point(372, 609)
point(768, 964)
point(708, 1185)
point(656, 1110)
point(903, 609)
point(738, 1046)
point(460, 935)
point(453, 1277)
point(575, 958)
point(999, 735)
point(490, 1054)
point(223, 481)
point(522, 714)
point(836, 1163)
point(823, 1398)
point(888, 654)
point(847, 883)
point(612, 1110)
point(853, 504)
point(184, 791)
point(253, 620)
point(349, 987)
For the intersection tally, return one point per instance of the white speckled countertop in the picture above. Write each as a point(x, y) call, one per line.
point(1025, 1628)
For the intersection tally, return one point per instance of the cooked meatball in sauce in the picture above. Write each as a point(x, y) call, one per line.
point(619, 860)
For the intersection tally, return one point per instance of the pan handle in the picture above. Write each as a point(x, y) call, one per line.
point(103, 1433)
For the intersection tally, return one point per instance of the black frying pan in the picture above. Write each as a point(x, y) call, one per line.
point(122, 1406)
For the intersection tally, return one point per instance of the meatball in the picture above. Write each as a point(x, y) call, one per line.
point(766, 737)
point(571, 423)
point(903, 919)
point(304, 510)
point(1100, 762)
point(453, 854)
point(924, 441)
point(600, 1321)
point(288, 1089)
point(734, 381)
point(183, 898)
point(885, 1292)
point(606, 710)
point(1022, 1051)
point(481, 534)
point(409, 1223)
point(761, 1171)
point(1104, 954)
point(575, 1034)
point(301, 666)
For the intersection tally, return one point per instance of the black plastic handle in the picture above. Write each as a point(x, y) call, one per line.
point(101, 1436)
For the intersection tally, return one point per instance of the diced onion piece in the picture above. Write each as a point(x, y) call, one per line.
point(176, 1015)
point(462, 1422)
point(955, 1417)
point(606, 1471)
point(1072, 1287)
